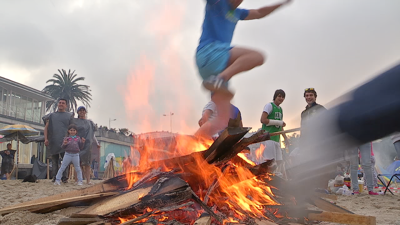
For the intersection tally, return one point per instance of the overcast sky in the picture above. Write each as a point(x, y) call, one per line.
point(138, 55)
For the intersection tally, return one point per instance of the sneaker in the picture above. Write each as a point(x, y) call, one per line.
point(372, 193)
point(215, 84)
point(79, 183)
point(57, 182)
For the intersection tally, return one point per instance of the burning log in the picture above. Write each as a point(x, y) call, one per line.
point(117, 203)
point(260, 136)
point(229, 137)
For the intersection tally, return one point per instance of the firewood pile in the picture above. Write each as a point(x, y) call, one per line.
point(202, 185)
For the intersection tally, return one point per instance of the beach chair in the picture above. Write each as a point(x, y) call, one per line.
point(381, 178)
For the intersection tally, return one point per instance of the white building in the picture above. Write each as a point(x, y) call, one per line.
point(20, 104)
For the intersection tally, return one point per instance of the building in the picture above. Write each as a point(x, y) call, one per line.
point(20, 104)
point(118, 144)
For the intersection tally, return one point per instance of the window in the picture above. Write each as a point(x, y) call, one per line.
point(21, 107)
point(36, 111)
point(4, 109)
point(29, 110)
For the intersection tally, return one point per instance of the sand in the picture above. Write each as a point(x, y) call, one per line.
point(386, 208)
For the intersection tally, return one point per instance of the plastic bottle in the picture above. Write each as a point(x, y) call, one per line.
point(347, 181)
point(361, 185)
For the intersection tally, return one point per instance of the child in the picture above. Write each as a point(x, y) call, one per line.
point(72, 145)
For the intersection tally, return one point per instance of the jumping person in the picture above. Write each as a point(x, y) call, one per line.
point(72, 144)
point(218, 62)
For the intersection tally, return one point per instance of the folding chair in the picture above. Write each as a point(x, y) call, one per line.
point(387, 186)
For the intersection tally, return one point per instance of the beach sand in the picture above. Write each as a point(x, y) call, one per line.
point(386, 208)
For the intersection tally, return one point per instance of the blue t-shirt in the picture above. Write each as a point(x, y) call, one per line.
point(220, 22)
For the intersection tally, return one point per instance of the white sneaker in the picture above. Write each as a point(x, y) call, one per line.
point(57, 182)
point(80, 183)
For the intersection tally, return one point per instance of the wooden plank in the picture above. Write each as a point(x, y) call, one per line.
point(224, 143)
point(119, 202)
point(78, 221)
point(265, 222)
point(39, 206)
point(328, 196)
point(343, 218)
point(285, 131)
point(95, 189)
point(260, 136)
point(205, 220)
point(327, 206)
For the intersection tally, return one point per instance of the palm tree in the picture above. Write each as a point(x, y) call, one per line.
point(65, 85)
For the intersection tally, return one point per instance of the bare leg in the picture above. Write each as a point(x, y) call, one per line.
point(241, 59)
point(211, 127)
point(87, 173)
point(8, 176)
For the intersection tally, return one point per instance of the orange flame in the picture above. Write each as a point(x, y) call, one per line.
point(259, 153)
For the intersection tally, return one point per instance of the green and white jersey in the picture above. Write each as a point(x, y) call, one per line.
point(274, 113)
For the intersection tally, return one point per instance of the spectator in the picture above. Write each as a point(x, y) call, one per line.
point(7, 162)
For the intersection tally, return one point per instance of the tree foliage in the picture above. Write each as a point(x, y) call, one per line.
point(65, 85)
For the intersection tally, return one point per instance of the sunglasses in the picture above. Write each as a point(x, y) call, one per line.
point(309, 89)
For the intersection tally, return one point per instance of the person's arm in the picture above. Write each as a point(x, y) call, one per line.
point(264, 11)
point(264, 117)
point(46, 127)
point(96, 141)
point(82, 143)
point(64, 144)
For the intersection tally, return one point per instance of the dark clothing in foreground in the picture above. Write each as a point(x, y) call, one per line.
point(374, 110)
point(7, 162)
point(86, 129)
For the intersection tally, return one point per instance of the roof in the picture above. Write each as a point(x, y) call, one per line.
point(25, 90)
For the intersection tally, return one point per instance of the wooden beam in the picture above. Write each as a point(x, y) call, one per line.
point(285, 132)
point(119, 202)
point(33, 207)
point(328, 196)
point(327, 206)
point(95, 189)
point(205, 220)
point(78, 221)
point(343, 218)
point(265, 222)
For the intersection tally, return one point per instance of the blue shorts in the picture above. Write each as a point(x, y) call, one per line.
point(212, 59)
